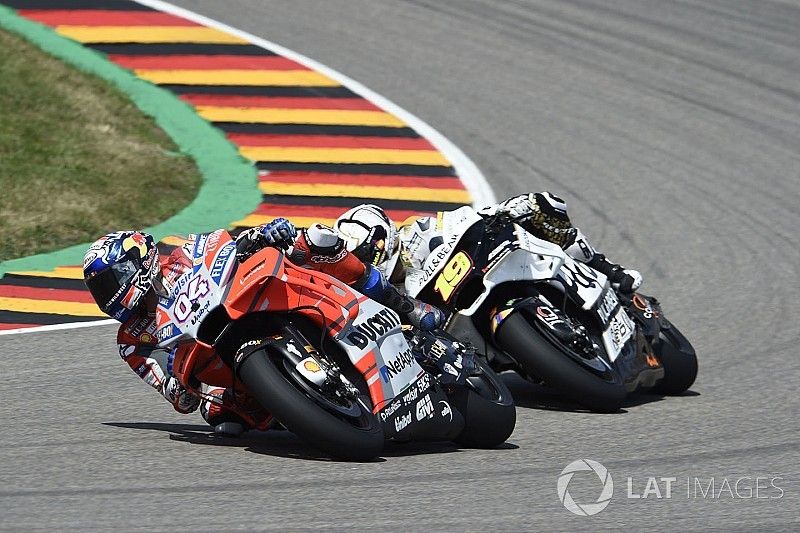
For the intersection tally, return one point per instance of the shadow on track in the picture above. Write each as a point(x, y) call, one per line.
point(532, 396)
point(282, 443)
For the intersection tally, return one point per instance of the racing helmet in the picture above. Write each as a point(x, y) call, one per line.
point(119, 269)
point(548, 219)
point(371, 235)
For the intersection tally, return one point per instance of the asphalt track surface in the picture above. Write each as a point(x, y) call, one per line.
point(671, 127)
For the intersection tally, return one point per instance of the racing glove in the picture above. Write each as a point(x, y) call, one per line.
point(181, 399)
point(279, 233)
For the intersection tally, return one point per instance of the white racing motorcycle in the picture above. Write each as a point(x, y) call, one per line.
point(529, 307)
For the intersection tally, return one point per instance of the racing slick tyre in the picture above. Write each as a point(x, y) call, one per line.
point(552, 362)
point(487, 407)
point(349, 432)
point(679, 360)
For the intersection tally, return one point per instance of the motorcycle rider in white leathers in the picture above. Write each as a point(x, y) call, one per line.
point(398, 253)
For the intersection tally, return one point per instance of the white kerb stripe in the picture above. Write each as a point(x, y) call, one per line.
point(56, 327)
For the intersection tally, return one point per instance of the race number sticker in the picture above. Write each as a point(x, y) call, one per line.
point(195, 289)
point(453, 273)
point(619, 331)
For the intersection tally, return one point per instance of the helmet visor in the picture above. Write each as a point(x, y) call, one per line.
point(373, 250)
point(106, 284)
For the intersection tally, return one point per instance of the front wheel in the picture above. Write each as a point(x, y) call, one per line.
point(345, 430)
point(487, 407)
point(557, 367)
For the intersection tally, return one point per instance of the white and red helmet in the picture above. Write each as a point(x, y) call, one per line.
point(371, 235)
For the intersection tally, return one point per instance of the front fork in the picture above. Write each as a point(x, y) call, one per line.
point(324, 374)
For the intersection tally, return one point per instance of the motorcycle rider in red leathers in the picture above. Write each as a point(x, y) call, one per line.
point(127, 271)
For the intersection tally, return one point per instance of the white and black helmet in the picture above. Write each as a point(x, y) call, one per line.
point(371, 235)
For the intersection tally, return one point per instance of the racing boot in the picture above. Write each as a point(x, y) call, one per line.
point(231, 415)
point(417, 313)
point(455, 361)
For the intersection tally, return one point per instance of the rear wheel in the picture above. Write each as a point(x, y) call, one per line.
point(679, 360)
point(345, 429)
point(558, 367)
point(487, 407)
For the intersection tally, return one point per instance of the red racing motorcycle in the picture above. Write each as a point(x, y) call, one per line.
point(329, 364)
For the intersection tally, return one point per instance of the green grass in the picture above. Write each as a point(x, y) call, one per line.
point(77, 158)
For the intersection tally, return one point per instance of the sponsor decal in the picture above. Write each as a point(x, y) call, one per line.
point(644, 306)
point(498, 318)
point(619, 329)
point(392, 409)
point(311, 365)
point(607, 306)
point(252, 271)
point(139, 326)
point(413, 245)
point(147, 338)
point(332, 259)
point(424, 382)
point(548, 316)
point(413, 391)
point(292, 349)
point(135, 241)
point(166, 332)
point(222, 259)
point(397, 365)
point(213, 241)
point(401, 422)
point(373, 328)
point(425, 408)
point(243, 349)
point(411, 395)
point(200, 312)
point(198, 252)
point(446, 411)
point(435, 259)
point(142, 370)
point(588, 253)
